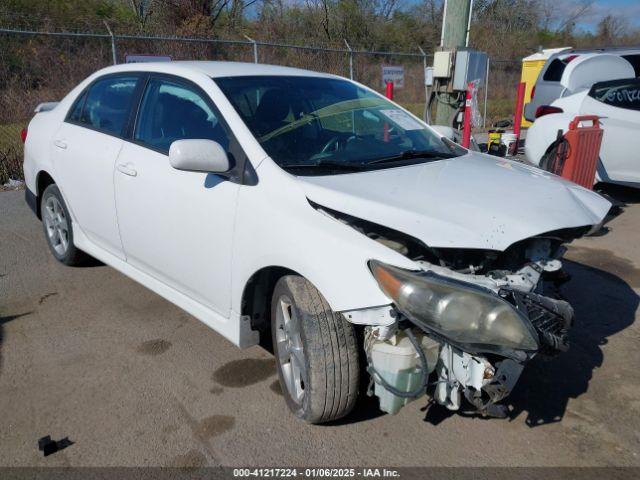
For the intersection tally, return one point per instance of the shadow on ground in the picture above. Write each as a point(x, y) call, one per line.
point(6, 319)
point(619, 193)
point(604, 305)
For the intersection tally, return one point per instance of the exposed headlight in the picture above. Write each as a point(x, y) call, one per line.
point(462, 312)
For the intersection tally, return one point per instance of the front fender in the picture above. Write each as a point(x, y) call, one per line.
point(276, 225)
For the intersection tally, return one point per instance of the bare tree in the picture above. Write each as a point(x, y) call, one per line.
point(385, 8)
point(142, 10)
point(575, 12)
point(611, 28)
point(182, 10)
point(236, 15)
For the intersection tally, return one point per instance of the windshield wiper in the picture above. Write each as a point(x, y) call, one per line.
point(410, 155)
point(356, 167)
point(328, 164)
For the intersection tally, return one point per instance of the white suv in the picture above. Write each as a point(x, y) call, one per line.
point(549, 85)
point(268, 199)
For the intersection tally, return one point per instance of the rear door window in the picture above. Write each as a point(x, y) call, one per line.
point(618, 93)
point(107, 104)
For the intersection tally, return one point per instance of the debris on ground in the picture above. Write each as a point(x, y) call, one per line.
point(49, 447)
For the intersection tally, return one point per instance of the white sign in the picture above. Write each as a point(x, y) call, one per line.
point(402, 119)
point(394, 74)
point(144, 58)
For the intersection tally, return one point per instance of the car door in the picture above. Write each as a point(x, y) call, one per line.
point(618, 104)
point(176, 225)
point(84, 152)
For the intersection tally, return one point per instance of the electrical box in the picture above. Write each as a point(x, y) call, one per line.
point(442, 64)
point(428, 76)
point(471, 65)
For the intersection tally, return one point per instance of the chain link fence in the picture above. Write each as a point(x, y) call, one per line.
point(39, 67)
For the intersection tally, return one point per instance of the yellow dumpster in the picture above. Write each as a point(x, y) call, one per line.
point(531, 67)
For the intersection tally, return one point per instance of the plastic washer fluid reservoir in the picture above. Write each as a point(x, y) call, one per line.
point(396, 360)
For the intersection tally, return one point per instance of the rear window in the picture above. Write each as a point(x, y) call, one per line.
point(556, 69)
point(634, 60)
point(618, 93)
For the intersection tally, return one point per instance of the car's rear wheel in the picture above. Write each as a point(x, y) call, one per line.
point(316, 352)
point(58, 230)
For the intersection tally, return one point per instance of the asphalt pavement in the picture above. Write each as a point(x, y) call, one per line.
point(132, 380)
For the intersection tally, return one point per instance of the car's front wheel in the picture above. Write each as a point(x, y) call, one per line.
point(316, 352)
point(57, 227)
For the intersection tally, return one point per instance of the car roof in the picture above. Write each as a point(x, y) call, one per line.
point(215, 69)
point(625, 50)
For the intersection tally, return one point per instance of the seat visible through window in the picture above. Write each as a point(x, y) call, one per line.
point(173, 112)
point(107, 105)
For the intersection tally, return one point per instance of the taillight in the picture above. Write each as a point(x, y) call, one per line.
point(533, 92)
point(23, 135)
point(543, 110)
point(570, 58)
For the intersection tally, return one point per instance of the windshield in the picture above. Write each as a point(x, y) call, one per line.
point(309, 122)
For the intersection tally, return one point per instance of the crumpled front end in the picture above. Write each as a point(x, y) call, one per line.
point(481, 299)
point(464, 323)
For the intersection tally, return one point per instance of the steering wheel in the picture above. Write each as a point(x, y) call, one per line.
point(332, 144)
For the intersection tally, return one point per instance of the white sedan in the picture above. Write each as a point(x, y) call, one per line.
point(307, 212)
point(617, 103)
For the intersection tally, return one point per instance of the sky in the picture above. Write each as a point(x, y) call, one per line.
point(629, 9)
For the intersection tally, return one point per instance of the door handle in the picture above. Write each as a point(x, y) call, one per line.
point(127, 170)
point(60, 144)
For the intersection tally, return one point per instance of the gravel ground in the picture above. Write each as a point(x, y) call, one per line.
point(88, 354)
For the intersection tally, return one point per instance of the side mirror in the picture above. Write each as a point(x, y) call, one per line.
point(198, 156)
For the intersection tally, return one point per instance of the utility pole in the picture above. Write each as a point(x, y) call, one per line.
point(455, 28)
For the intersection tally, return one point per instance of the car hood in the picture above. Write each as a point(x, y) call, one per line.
point(473, 201)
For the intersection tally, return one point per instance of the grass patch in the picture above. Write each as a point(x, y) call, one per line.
point(11, 152)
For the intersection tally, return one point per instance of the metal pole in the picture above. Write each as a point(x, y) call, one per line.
point(517, 118)
point(255, 48)
point(466, 44)
point(113, 43)
point(444, 22)
point(486, 94)
point(350, 58)
point(426, 89)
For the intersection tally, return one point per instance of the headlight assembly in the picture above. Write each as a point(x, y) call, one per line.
point(461, 312)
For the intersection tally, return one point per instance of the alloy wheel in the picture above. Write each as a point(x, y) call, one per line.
point(56, 225)
point(289, 349)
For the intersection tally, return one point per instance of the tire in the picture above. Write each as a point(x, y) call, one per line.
point(305, 331)
point(58, 230)
point(547, 159)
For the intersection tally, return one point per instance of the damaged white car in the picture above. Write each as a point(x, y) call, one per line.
point(305, 209)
